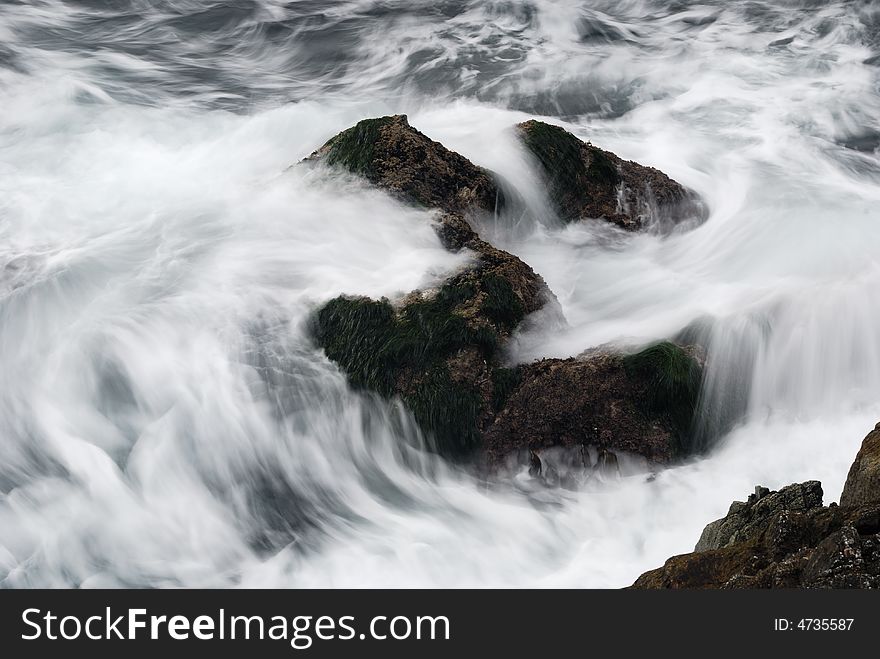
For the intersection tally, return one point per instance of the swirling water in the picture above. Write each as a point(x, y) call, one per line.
point(164, 418)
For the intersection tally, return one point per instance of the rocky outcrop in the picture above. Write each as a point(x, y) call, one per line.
point(788, 539)
point(441, 351)
point(438, 350)
point(393, 155)
point(863, 481)
point(641, 403)
point(586, 182)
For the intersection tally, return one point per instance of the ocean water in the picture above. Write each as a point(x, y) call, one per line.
point(165, 419)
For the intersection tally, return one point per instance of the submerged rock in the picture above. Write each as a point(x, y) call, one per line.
point(788, 539)
point(586, 182)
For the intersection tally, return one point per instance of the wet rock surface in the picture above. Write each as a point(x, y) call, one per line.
point(788, 539)
point(863, 481)
point(441, 351)
point(641, 403)
point(586, 182)
point(390, 153)
point(746, 520)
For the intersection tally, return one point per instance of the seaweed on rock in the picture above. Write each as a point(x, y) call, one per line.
point(501, 305)
point(355, 147)
point(673, 378)
point(448, 411)
point(504, 383)
point(586, 182)
point(405, 351)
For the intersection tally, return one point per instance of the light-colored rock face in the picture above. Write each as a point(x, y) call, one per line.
point(863, 482)
point(390, 153)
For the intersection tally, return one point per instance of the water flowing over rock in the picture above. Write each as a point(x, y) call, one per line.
point(641, 403)
point(586, 182)
point(390, 153)
point(441, 351)
point(746, 520)
point(787, 539)
point(437, 350)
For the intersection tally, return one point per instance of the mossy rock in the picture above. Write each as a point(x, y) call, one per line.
point(504, 383)
point(444, 364)
point(440, 352)
point(641, 404)
point(447, 411)
point(373, 343)
point(581, 179)
point(354, 333)
point(393, 155)
point(586, 182)
point(501, 304)
point(672, 377)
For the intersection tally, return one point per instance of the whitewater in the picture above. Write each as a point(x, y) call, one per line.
point(165, 419)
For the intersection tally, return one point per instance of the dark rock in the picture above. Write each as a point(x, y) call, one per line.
point(535, 465)
point(781, 42)
point(586, 182)
point(838, 562)
point(747, 520)
point(440, 351)
point(760, 493)
point(437, 350)
point(787, 539)
point(641, 403)
point(863, 482)
point(390, 153)
point(817, 549)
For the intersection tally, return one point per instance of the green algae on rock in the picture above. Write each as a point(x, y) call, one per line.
point(390, 153)
point(586, 182)
point(863, 481)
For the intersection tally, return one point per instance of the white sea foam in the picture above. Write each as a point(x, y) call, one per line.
point(164, 419)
